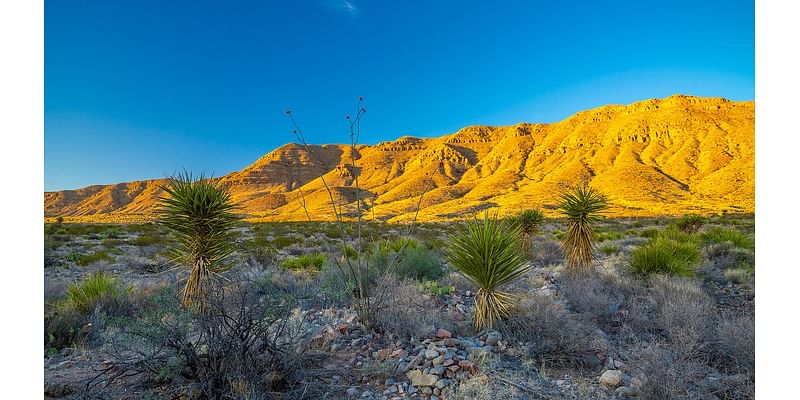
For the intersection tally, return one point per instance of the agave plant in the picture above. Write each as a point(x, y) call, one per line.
point(490, 254)
point(582, 206)
point(199, 213)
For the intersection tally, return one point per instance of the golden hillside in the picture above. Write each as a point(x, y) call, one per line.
point(675, 155)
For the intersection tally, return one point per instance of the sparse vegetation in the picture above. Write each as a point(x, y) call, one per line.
point(305, 262)
point(726, 235)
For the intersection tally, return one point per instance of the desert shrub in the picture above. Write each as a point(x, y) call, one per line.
point(434, 288)
point(91, 258)
point(285, 241)
point(147, 240)
point(736, 344)
point(664, 256)
point(555, 336)
point(490, 253)
point(401, 244)
point(200, 214)
point(305, 262)
point(63, 328)
point(545, 252)
point(603, 298)
point(690, 223)
point(743, 274)
point(609, 235)
point(419, 263)
point(685, 313)
point(96, 290)
point(407, 311)
point(258, 252)
point(725, 235)
point(247, 342)
point(334, 289)
point(582, 206)
point(649, 233)
point(677, 235)
point(667, 375)
point(609, 249)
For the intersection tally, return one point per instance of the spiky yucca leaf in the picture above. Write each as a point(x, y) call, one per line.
point(490, 254)
point(582, 206)
point(200, 214)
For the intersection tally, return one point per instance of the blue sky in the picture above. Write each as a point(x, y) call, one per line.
point(137, 90)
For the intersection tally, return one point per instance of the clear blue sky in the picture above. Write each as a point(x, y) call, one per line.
point(140, 89)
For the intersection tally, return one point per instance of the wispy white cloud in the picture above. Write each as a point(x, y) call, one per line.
point(347, 7)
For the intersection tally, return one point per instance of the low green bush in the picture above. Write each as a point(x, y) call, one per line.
point(95, 290)
point(88, 259)
point(419, 263)
point(285, 241)
point(610, 235)
point(305, 262)
point(435, 289)
point(147, 240)
point(726, 235)
point(665, 256)
point(609, 249)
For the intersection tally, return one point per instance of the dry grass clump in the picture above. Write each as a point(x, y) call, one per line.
point(408, 311)
point(685, 313)
point(736, 344)
point(554, 335)
point(545, 252)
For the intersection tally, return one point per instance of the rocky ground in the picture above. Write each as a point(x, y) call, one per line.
point(444, 358)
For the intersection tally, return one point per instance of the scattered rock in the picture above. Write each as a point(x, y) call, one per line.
point(443, 334)
point(421, 379)
point(352, 392)
point(611, 378)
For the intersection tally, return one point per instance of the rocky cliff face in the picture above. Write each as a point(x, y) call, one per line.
point(662, 156)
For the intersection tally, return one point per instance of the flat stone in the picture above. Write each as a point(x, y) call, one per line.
point(443, 333)
point(421, 379)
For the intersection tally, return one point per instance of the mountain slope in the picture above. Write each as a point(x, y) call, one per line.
point(675, 155)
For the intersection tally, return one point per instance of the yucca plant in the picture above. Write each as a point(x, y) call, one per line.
point(582, 206)
point(200, 214)
point(490, 254)
point(529, 221)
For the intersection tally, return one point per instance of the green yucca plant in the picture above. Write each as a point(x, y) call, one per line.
point(200, 214)
point(582, 206)
point(529, 221)
point(490, 254)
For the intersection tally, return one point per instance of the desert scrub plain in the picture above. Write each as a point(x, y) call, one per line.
point(666, 311)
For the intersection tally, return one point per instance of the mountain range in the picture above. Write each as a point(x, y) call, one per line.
point(670, 156)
